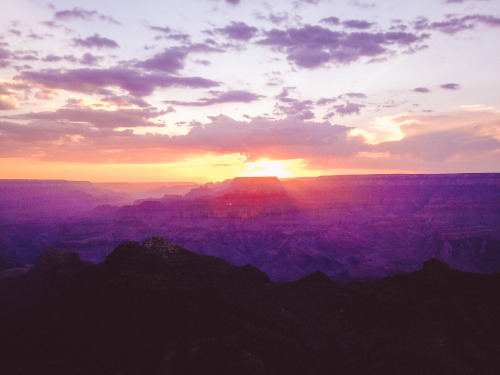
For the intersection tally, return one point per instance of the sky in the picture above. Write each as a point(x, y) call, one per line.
point(204, 90)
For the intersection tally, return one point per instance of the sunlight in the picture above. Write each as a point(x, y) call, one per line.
point(265, 167)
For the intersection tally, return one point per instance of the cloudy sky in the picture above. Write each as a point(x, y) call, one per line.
point(203, 90)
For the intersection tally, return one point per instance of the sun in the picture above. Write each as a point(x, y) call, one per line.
point(265, 168)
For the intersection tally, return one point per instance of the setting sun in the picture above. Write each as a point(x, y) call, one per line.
point(265, 167)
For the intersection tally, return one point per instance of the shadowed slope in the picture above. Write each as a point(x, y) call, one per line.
point(158, 308)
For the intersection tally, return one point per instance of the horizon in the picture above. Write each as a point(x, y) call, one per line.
point(200, 183)
point(207, 90)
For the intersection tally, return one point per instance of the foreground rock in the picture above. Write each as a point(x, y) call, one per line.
point(158, 308)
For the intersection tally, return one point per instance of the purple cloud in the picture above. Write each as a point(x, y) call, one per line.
point(348, 109)
point(233, 96)
point(238, 31)
point(357, 24)
point(233, 2)
point(453, 24)
point(94, 80)
point(357, 95)
point(300, 109)
point(95, 41)
point(82, 14)
point(89, 59)
point(5, 55)
point(330, 20)
point(324, 101)
point(171, 60)
point(54, 58)
point(165, 30)
point(313, 46)
point(422, 90)
point(98, 118)
point(450, 86)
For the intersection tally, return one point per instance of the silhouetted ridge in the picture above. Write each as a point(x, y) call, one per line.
point(436, 265)
point(57, 263)
point(157, 308)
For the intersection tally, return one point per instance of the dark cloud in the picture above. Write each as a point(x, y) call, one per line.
point(82, 14)
point(422, 90)
point(238, 31)
point(357, 24)
point(450, 86)
point(95, 41)
point(233, 2)
point(94, 80)
point(313, 46)
point(217, 97)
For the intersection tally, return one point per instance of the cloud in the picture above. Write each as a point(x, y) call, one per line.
point(300, 109)
point(164, 30)
point(357, 24)
point(97, 118)
point(422, 90)
point(313, 46)
point(7, 102)
point(359, 4)
point(5, 55)
point(348, 109)
point(95, 80)
point(95, 41)
point(444, 142)
point(172, 59)
point(450, 86)
point(82, 14)
point(454, 24)
point(330, 20)
point(276, 139)
point(238, 31)
point(232, 96)
point(89, 59)
point(233, 2)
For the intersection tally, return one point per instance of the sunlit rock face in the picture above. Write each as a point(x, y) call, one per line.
point(349, 227)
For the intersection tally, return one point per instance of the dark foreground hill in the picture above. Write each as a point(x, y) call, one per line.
point(158, 308)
